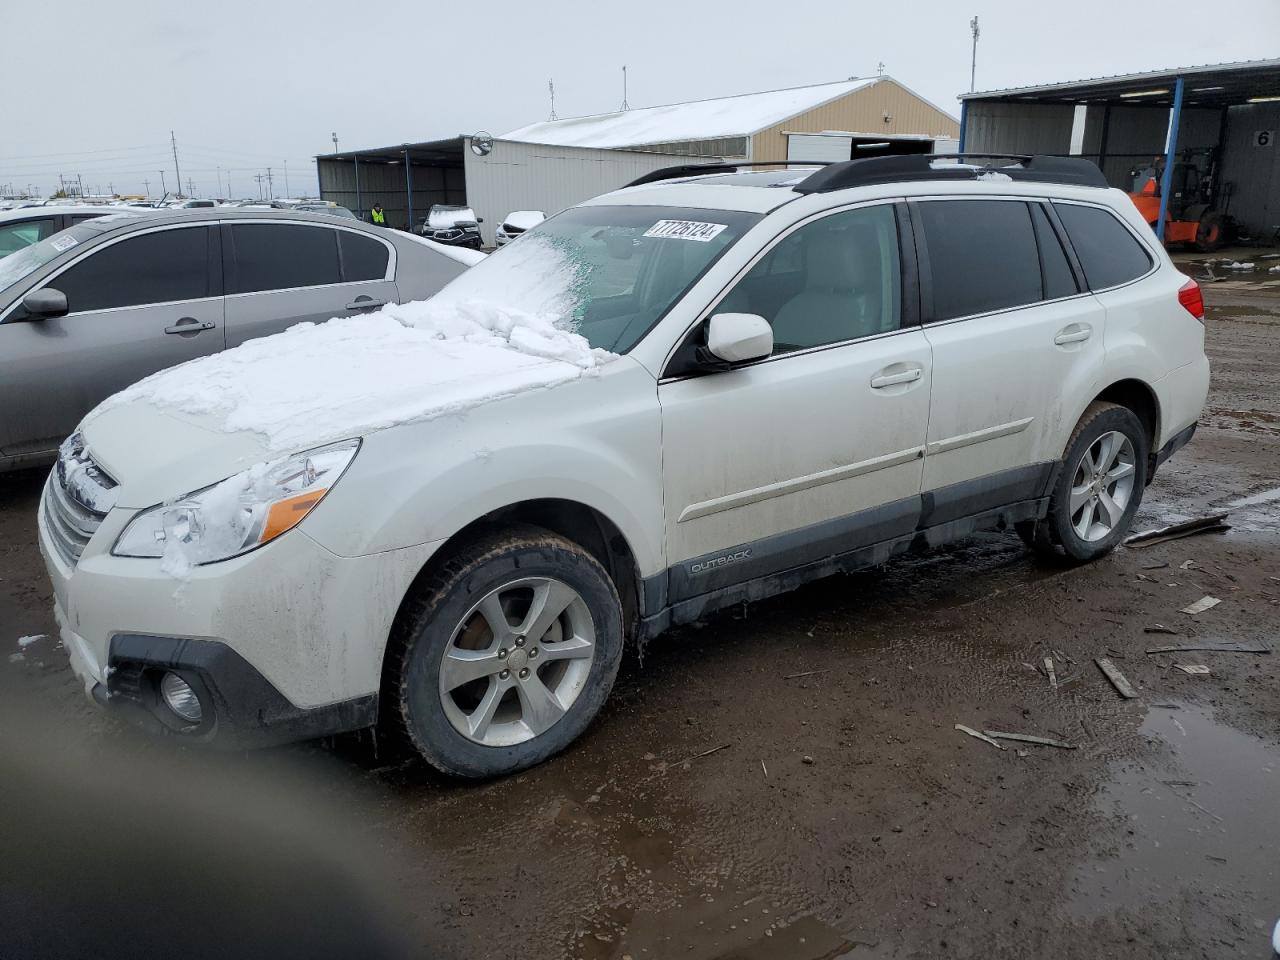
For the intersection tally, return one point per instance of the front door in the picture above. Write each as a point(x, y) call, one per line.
point(136, 305)
point(818, 449)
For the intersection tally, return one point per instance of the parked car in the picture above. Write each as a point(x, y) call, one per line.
point(20, 228)
point(757, 379)
point(329, 209)
point(452, 225)
point(108, 301)
point(516, 223)
point(192, 203)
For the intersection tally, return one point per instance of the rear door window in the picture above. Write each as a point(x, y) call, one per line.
point(982, 256)
point(1108, 252)
point(363, 258)
point(281, 256)
point(1055, 269)
point(159, 267)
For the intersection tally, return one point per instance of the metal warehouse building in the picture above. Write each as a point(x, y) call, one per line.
point(556, 163)
point(1208, 132)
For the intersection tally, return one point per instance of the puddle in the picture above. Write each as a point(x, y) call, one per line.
point(1200, 819)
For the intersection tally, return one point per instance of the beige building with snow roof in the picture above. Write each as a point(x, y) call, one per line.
point(825, 121)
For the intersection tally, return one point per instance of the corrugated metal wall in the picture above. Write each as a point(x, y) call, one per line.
point(1018, 127)
point(862, 111)
point(531, 176)
point(384, 183)
point(1253, 171)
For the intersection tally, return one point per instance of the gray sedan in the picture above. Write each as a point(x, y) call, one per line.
point(98, 306)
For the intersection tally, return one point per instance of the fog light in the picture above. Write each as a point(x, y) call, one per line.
point(180, 698)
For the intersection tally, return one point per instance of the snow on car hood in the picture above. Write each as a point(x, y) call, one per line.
point(315, 383)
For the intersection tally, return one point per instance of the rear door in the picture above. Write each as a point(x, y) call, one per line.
point(137, 305)
point(1015, 342)
point(282, 273)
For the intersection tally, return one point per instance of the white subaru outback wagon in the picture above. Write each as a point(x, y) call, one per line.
point(445, 518)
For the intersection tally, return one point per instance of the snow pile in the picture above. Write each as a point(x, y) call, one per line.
point(1237, 265)
point(466, 346)
point(1274, 270)
point(25, 642)
point(995, 176)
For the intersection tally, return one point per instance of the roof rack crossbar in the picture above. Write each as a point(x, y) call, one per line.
point(958, 166)
point(705, 169)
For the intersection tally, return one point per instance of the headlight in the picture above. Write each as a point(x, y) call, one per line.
point(238, 514)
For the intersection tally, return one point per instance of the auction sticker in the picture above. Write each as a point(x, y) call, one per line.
point(685, 230)
point(62, 243)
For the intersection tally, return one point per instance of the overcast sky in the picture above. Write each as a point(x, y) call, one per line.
point(98, 84)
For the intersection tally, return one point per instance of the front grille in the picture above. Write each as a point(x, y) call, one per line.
point(73, 484)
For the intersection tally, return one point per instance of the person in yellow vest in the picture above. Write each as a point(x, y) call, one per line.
point(379, 218)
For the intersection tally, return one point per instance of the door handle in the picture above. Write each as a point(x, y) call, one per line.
point(365, 303)
point(882, 380)
point(189, 326)
point(1070, 335)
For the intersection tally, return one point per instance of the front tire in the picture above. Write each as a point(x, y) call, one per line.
point(1099, 487)
point(503, 656)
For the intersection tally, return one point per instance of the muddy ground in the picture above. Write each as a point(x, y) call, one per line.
point(782, 781)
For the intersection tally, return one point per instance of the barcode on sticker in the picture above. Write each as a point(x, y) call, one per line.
point(685, 230)
point(62, 243)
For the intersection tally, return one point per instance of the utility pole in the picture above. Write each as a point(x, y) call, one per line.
point(146, 184)
point(164, 191)
point(973, 66)
point(625, 106)
point(335, 141)
point(551, 86)
point(111, 188)
point(174, 142)
point(80, 185)
point(286, 179)
point(191, 190)
point(271, 194)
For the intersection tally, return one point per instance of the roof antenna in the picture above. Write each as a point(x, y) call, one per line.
point(551, 86)
point(625, 105)
point(880, 69)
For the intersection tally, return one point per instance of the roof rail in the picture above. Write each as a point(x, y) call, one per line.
point(958, 166)
point(704, 169)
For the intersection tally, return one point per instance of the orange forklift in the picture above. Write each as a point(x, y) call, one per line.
point(1193, 216)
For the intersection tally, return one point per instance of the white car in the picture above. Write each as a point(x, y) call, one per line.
point(516, 223)
point(446, 518)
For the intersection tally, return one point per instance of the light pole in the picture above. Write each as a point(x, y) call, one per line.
point(973, 65)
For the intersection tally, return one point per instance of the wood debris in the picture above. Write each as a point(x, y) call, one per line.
point(1027, 738)
point(1201, 605)
point(1123, 687)
point(1225, 646)
point(1214, 524)
point(979, 735)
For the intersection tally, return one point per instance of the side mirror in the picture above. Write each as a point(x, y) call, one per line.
point(479, 219)
point(45, 303)
point(739, 337)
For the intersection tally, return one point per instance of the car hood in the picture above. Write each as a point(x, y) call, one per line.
point(200, 422)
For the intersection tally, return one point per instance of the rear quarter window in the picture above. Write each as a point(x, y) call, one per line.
point(1109, 254)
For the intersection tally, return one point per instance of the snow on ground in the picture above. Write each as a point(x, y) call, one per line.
point(25, 642)
point(461, 254)
point(466, 346)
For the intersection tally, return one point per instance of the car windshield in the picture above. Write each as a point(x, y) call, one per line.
point(608, 273)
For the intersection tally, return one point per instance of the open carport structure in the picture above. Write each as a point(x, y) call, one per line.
point(1206, 136)
point(492, 176)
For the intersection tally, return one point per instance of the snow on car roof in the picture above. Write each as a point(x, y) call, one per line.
point(737, 116)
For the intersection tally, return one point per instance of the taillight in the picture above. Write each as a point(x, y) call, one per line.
point(1189, 296)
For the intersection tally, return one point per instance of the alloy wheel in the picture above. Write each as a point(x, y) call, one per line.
point(1102, 486)
point(517, 661)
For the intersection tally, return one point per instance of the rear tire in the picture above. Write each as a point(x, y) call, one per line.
point(503, 656)
point(1098, 489)
point(1211, 232)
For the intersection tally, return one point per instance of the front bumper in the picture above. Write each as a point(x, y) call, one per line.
point(282, 643)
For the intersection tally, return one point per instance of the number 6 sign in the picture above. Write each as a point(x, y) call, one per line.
point(1264, 138)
